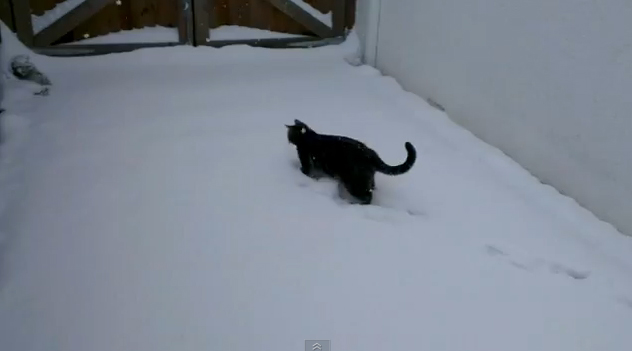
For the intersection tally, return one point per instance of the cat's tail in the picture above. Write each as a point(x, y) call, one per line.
point(399, 169)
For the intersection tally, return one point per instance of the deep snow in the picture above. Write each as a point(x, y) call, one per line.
point(158, 206)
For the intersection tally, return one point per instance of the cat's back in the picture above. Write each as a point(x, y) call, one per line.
point(340, 142)
point(344, 149)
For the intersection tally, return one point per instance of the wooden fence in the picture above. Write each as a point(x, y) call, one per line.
point(193, 21)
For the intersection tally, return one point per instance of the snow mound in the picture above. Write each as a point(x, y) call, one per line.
point(12, 46)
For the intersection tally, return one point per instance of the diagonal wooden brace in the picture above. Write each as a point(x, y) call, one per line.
point(303, 17)
point(69, 21)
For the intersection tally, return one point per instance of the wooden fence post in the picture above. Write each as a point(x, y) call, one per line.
point(185, 25)
point(338, 17)
point(201, 21)
point(6, 13)
point(22, 20)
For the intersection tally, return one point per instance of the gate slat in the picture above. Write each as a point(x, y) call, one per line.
point(201, 18)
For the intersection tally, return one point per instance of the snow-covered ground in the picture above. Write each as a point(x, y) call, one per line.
point(157, 205)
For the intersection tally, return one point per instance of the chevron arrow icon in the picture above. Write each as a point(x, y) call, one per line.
point(317, 346)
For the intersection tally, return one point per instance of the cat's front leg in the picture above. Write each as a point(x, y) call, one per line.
point(306, 162)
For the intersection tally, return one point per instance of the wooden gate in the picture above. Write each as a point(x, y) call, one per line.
point(89, 27)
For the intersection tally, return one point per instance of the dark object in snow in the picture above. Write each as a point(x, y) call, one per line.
point(435, 104)
point(348, 160)
point(43, 92)
point(23, 68)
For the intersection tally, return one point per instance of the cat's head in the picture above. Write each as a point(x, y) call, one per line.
point(297, 131)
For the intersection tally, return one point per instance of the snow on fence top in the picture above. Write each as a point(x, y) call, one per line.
point(52, 15)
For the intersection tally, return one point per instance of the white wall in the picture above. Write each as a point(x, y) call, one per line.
point(549, 82)
point(366, 26)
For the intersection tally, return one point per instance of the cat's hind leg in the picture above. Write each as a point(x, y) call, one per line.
point(360, 188)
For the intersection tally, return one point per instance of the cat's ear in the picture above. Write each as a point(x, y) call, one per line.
point(299, 123)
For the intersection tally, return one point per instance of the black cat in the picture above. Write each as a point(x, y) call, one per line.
point(347, 160)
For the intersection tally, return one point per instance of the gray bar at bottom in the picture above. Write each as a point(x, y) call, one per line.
point(317, 345)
